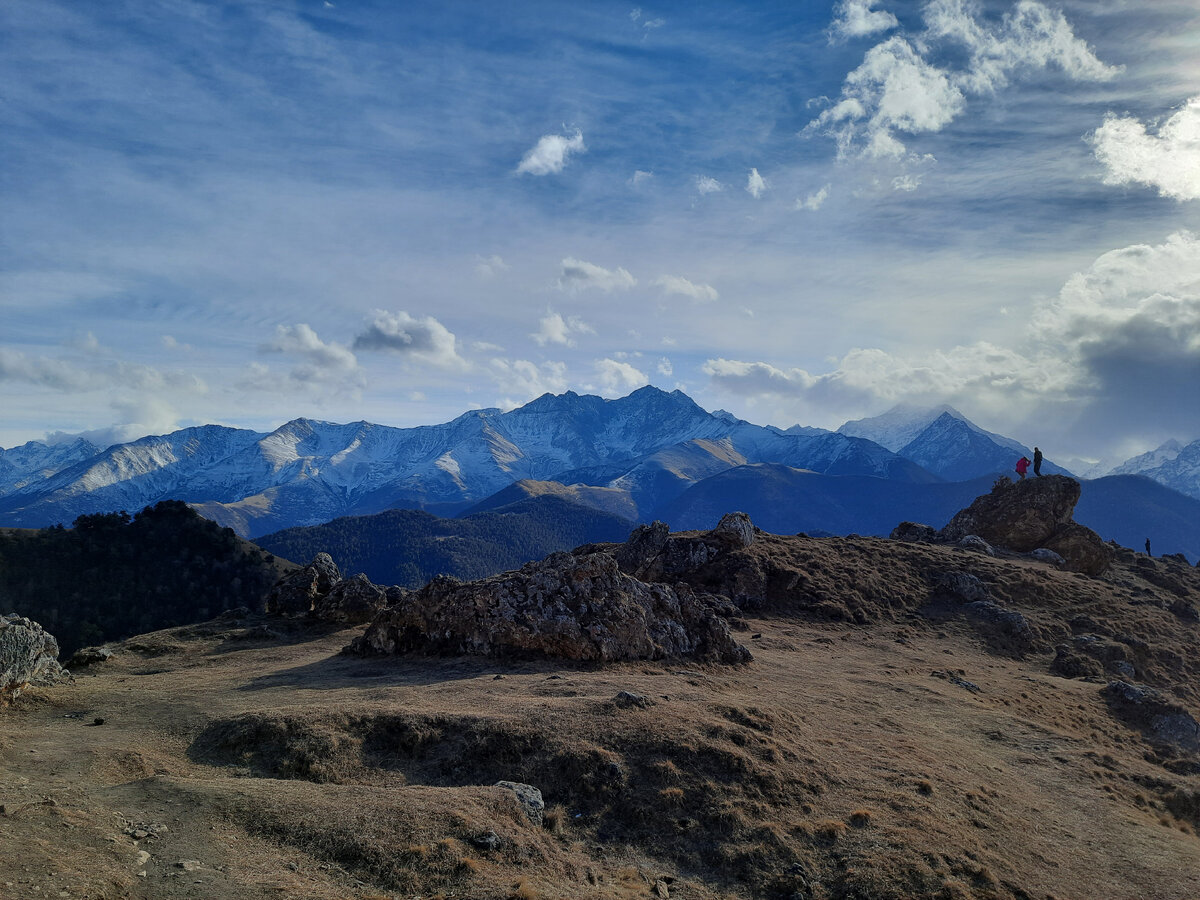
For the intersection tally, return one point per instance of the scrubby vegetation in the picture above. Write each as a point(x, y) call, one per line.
point(408, 547)
point(112, 575)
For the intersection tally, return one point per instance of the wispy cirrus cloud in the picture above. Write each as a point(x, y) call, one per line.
point(682, 287)
point(755, 184)
point(815, 200)
point(706, 184)
point(578, 275)
point(551, 153)
point(1168, 160)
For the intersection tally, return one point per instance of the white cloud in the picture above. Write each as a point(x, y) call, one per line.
point(906, 182)
point(425, 340)
point(651, 24)
point(639, 178)
point(577, 275)
point(550, 154)
point(707, 185)
point(856, 18)
point(615, 378)
point(1119, 344)
point(674, 284)
point(526, 379)
point(322, 367)
point(554, 329)
point(301, 340)
point(665, 368)
point(898, 89)
point(755, 184)
point(92, 374)
point(490, 267)
point(815, 200)
point(1169, 160)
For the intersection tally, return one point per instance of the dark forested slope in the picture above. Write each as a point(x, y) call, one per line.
point(113, 575)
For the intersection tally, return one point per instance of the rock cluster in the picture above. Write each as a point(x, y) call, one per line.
point(577, 606)
point(319, 591)
point(28, 656)
point(1030, 515)
point(1153, 712)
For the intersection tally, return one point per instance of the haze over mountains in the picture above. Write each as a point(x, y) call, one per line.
point(649, 455)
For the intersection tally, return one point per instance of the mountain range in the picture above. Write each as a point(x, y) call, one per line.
point(651, 454)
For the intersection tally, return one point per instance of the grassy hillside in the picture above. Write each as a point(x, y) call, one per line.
point(408, 547)
point(112, 575)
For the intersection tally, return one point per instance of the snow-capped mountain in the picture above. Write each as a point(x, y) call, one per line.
point(307, 472)
point(1174, 464)
point(34, 462)
point(945, 442)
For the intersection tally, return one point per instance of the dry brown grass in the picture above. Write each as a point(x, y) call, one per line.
point(381, 771)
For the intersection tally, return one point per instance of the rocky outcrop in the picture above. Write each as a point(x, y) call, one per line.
point(1032, 514)
point(28, 656)
point(568, 606)
point(914, 532)
point(1154, 713)
point(652, 554)
point(352, 600)
point(297, 594)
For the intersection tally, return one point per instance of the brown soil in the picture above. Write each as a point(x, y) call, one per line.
point(898, 753)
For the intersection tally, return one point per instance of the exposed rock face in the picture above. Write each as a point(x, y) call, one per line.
point(578, 607)
point(1006, 630)
point(529, 799)
point(963, 586)
point(352, 600)
point(28, 655)
point(1030, 514)
point(736, 529)
point(299, 592)
point(914, 532)
point(1154, 713)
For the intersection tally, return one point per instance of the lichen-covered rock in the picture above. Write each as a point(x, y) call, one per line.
point(643, 545)
point(962, 586)
point(736, 528)
point(352, 600)
point(577, 607)
point(976, 543)
point(529, 799)
point(28, 656)
point(297, 594)
point(1081, 549)
point(1027, 515)
point(1046, 555)
point(1005, 630)
point(914, 532)
point(1154, 713)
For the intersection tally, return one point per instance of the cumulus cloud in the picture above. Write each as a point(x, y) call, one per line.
point(708, 185)
point(424, 340)
point(554, 329)
point(755, 184)
point(1120, 343)
point(856, 18)
point(1168, 160)
point(616, 378)
point(675, 284)
point(525, 380)
point(321, 367)
point(899, 89)
point(577, 275)
point(550, 154)
point(815, 200)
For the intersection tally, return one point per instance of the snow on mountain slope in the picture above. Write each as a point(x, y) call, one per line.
point(898, 426)
point(33, 463)
point(308, 471)
point(1174, 465)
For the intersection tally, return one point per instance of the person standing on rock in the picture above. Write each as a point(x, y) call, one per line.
point(1148, 553)
point(1037, 462)
point(1022, 467)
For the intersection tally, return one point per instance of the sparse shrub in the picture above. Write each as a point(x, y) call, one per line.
point(830, 830)
point(671, 796)
point(925, 787)
point(555, 819)
point(1001, 483)
point(524, 890)
point(860, 818)
point(470, 865)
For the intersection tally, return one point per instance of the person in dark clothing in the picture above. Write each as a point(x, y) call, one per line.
point(1148, 553)
point(1037, 462)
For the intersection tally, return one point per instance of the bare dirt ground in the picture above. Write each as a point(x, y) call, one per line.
point(890, 760)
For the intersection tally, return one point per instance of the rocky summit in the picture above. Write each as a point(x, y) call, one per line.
point(28, 656)
point(720, 714)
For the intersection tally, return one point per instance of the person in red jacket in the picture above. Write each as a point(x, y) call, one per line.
point(1022, 467)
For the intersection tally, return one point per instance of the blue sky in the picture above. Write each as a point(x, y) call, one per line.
point(800, 212)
